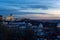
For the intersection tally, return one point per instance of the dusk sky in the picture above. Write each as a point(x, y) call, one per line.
point(31, 8)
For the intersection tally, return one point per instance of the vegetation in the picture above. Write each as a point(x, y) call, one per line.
point(7, 33)
point(1, 17)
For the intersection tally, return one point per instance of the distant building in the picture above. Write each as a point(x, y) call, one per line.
point(10, 18)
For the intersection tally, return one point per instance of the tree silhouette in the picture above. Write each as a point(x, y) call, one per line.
point(1, 17)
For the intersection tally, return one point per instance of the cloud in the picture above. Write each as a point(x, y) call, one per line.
point(37, 16)
point(31, 7)
point(49, 11)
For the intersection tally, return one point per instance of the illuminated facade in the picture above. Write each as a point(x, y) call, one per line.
point(10, 18)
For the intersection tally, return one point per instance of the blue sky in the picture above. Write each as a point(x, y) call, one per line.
point(30, 7)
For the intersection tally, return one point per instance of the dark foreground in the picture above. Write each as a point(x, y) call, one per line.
point(29, 33)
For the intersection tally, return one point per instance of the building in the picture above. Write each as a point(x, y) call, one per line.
point(10, 18)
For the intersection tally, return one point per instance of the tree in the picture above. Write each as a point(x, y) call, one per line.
point(1, 17)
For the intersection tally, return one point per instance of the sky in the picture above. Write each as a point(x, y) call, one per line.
point(49, 9)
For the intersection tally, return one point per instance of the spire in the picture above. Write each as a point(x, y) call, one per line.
point(11, 14)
